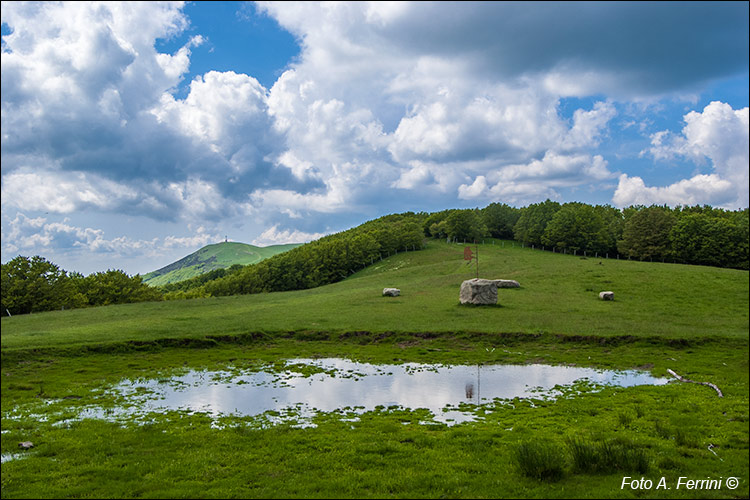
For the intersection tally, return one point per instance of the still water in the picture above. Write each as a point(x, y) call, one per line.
point(302, 387)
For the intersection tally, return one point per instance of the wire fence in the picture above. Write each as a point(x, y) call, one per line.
point(564, 251)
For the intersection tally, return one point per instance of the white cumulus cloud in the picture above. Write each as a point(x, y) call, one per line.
point(61, 192)
point(90, 249)
point(275, 236)
point(693, 191)
point(719, 136)
point(401, 105)
point(525, 183)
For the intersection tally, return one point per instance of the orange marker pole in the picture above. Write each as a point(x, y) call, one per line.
point(477, 260)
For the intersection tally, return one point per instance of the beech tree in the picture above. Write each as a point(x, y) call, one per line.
point(533, 221)
point(116, 287)
point(465, 225)
point(646, 233)
point(698, 238)
point(35, 284)
point(577, 227)
point(500, 219)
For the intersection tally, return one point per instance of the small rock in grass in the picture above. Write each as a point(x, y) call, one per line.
point(507, 283)
point(391, 292)
point(607, 295)
point(25, 445)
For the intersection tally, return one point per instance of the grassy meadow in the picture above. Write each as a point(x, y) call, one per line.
point(691, 319)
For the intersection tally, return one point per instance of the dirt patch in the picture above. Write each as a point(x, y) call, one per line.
point(408, 343)
point(355, 334)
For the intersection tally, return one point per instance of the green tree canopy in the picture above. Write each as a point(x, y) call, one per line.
point(698, 238)
point(577, 227)
point(116, 287)
point(465, 225)
point(614, 222)
point(500, 219)
point(35, 284)
point(646, 233)
point(533, 221)
point(434, 224)
point(326, 260)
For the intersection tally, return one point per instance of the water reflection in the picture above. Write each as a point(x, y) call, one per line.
point(7, 457)
point(336, 384)
point(470, 391)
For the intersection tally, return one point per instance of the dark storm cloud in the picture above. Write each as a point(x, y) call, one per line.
point(654, 46)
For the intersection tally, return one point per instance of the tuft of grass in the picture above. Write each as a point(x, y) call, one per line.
point(607, 456)
point(541, 460)
point(625, 418)
point(683, 437)
point(662, 430)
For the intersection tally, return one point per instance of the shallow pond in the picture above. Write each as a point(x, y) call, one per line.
point(299, 388)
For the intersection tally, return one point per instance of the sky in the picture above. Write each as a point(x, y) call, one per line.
point(134, 133)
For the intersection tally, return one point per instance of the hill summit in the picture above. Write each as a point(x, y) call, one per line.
point(211, 257)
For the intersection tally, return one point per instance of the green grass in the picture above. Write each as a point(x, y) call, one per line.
point(607, 456)
point(540, 460)
point(386, 452)
point(558, 295)
point(691, 319)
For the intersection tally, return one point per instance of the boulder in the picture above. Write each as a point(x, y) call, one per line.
point(478, 291)
point(507, 283)
point(25, 445)
point(391, 292)
point(607, 295)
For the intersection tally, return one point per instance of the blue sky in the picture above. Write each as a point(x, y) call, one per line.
point(135, 133)
point(238, 38)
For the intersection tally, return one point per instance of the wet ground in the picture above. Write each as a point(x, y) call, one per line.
point(300, 388)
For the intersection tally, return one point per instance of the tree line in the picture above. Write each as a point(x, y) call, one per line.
point(33, 284)
point(686, 234)
point(700, 235)
point(321, 262)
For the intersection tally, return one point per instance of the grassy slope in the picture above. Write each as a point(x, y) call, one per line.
point(210, 257)
point(559, 295)
point(388, 453)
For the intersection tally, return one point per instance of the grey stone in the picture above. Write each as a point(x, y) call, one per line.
point(26, 445)
point(507, 283)
point(607, 295)
point(478, 291)
point(391, 292)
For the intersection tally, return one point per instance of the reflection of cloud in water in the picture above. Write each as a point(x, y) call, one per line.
point(367, 386)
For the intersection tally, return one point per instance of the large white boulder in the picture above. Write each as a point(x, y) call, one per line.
point(607, 295)
point(391, 292)
point(478, 291)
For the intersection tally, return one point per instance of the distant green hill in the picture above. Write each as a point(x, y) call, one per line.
point(211, 257)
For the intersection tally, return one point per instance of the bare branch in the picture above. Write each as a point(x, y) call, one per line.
point(683, 379)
